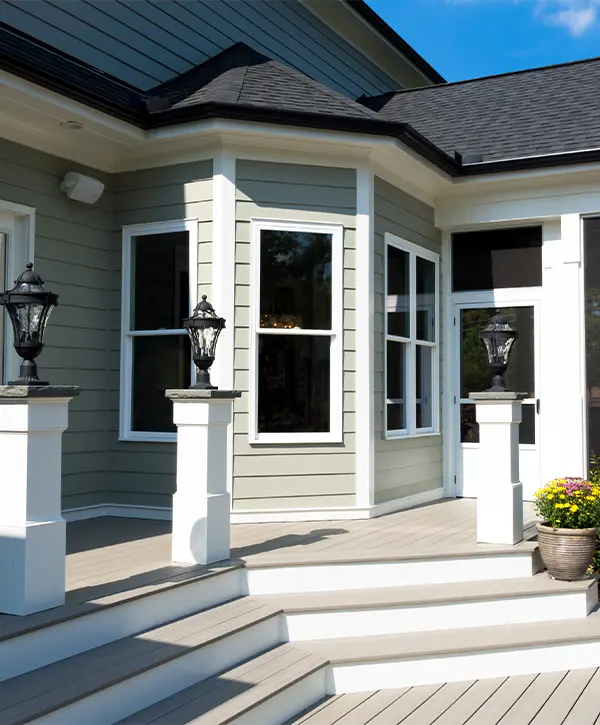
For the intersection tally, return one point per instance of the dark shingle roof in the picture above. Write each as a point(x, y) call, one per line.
point(242, 76)
point(537, 112)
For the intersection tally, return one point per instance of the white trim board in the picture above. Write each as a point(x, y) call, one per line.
point(261, 516)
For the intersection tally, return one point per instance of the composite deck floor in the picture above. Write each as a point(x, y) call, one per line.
point(555, 698)
point(109, 557)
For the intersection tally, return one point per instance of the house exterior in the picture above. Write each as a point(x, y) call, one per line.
point(355, 219)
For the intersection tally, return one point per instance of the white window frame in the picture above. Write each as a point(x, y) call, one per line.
point(335, 434)
point(127, 335)
point(411, 431)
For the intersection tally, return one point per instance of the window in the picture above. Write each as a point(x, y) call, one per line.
point(155, 351)
point(296, 333)
point(411, 337)
point(497, 259)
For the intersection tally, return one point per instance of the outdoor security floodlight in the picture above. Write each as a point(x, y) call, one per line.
point(498, 338)
point(29, 307)
point(204, 328)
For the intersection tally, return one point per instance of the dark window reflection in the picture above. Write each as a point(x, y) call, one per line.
point(159, 363)
point(425, 300)
point(475, 374)
point(496, 259)
point(160, 277)
point(469, 428)
point(424, 386)
point(396, 385)
point(398, 292)
point(293, 384)
point(591, 229)
point(295, 280)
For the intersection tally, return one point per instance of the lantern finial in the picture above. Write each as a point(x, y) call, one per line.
point(498, 338)
point(28, 306)
point(204, 328)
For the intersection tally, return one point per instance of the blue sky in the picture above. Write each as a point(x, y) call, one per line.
point(470, 38)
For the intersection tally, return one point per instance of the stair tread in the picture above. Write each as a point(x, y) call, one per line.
point(49, 688)
point(220, 699)
point(455, 641)
point(540, 584)
point(375, 555)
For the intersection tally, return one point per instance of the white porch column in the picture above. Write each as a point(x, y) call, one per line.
point(500, 492)
point(32, 529)
point(201, 504)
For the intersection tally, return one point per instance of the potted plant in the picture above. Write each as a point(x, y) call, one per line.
point(570, 509)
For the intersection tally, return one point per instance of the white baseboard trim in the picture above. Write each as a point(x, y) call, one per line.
point(161, 513)
point(263, 516)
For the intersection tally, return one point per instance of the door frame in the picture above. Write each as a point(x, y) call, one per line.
point(17, 222)
point(509, 297)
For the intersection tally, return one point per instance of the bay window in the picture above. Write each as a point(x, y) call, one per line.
point(411, 389)
point(157, 290)
point(296, 329)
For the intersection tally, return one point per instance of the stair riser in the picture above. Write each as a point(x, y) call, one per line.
point(385, 675)
point(371, 575)
point(51, 644)
point(421, 618)
point(288, 703)
point(115, 703)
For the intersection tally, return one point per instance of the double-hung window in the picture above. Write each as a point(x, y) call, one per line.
point(411, 339)
point(158, 286)
point(296, 366)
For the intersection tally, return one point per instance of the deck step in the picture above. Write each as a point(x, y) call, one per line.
point(420, 658)
point(262, 691)
point(365, 612)
point(108, 683)
point(328, 572)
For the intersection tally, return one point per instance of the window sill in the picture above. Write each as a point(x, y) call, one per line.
point(296, 439)
point(404, 436)
point(148, 438)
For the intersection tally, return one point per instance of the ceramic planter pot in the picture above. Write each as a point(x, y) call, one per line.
point(566, 553)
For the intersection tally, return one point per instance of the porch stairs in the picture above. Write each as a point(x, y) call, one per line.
point(267, 643)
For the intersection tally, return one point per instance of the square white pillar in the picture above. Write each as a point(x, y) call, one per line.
point(32, 529)
point(202, 503)
point(499, 492)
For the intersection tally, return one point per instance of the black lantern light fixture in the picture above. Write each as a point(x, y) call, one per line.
point(29, 307)
point(204, 328)
point(498, 338)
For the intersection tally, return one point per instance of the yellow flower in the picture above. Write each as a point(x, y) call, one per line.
point(574, 508)
point(562, 495)
point(550, 496)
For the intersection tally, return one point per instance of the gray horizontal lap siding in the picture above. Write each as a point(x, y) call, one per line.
point(143, 474)
point(73, 255)
point(145, 42)
point(298, 476)
point(403, 467)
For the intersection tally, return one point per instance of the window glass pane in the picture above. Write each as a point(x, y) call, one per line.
point(497, 258)
point(424, 386)
point(425, 300)
point(160, 281)
point(527, 426)
point(293, 384)
point(591, 236)
point(475, 374)
point(295, 280)
point(159, 363)
point(396, 385)
point(398, 291)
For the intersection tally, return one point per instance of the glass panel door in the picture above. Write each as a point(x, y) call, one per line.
point(474, 375)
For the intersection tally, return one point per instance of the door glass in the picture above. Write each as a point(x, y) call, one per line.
point(475, 374)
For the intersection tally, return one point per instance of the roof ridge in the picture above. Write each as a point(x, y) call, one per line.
point(522, 71)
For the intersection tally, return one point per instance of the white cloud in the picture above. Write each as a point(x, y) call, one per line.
point(576, 20)
point(576, 16)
